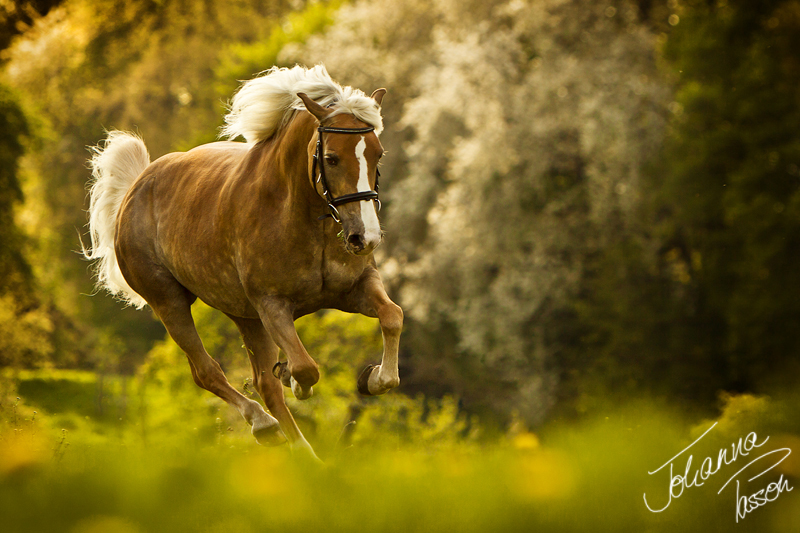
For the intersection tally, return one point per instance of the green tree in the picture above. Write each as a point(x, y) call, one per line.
point(705, 298)
point(85, 66)
point(732, 183)
point(15, 272)
point(24, 327)
point(16, 16)
point(516, 135)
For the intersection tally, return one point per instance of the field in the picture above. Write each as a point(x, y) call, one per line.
point(591, 220)
point(81, 453)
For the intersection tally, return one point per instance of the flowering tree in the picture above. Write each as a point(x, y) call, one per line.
point(521, 130)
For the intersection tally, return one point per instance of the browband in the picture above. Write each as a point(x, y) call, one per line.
point(326, 129)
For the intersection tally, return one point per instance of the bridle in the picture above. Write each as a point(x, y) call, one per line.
point(333, 202)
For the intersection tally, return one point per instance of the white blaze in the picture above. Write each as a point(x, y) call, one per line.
point(372, 228)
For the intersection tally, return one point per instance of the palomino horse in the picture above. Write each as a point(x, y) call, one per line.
point(265, 231)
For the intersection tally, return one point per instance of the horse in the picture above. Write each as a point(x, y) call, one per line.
point(266, 231)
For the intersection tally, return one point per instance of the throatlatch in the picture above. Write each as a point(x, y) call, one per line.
point(333, 202)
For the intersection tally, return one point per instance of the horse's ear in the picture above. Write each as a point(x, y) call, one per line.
point(378, 95)
point(314, 108)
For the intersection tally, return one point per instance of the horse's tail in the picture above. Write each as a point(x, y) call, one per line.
point(115, 164)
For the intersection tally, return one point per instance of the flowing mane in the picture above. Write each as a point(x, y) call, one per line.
point(263, 105)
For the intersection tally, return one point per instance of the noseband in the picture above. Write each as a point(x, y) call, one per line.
point(333, 202)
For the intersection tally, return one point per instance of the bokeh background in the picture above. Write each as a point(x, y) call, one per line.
point(592, 217)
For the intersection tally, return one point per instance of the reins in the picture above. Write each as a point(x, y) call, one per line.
point(333, 202)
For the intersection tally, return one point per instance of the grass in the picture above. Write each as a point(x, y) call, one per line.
point(106, 474)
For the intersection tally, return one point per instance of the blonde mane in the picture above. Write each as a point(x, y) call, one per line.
point(263, 105)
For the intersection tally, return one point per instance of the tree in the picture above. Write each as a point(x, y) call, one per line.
point(732, 186)
point(519, 133)
point(24, 327)
point(15, 272)
point(86, 66)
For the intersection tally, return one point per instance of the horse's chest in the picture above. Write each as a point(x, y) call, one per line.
point(340, 274)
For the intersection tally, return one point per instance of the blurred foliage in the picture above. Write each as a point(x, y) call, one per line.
point(102, 473)
point(24, 335)
point(25, 328)
point(586, 204)
point(242, 60)
point(588, 200)
point(583, 202)
point(732, 184)
point(342, 344)
point(15, 275)
point(701, 298)
point(123, 64)
point(17, 16)
point(521, 129)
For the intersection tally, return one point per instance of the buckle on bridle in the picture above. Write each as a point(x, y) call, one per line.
point(334, 214)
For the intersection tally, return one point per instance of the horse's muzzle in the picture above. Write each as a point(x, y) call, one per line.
point(357, 244)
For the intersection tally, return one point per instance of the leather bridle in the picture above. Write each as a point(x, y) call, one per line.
point(319, 159)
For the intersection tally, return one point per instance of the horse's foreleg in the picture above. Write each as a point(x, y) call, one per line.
point(303, 371)
point(373, 302)
point(263, 354)
point(177, 318)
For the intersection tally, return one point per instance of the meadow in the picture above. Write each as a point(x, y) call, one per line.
point(592, 222)
point(83, 453)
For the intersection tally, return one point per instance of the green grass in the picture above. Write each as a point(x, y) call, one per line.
point(81, 393)
point(415, 474)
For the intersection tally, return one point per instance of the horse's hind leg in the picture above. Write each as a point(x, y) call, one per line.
point(263, 354)
point(172, 303)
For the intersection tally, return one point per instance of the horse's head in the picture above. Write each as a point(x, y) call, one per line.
point(343, 164)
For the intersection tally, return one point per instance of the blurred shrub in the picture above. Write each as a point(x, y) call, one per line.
point(24, 335)
point(243, 60)
point(581, 201)
point(84, 67)
point(341, 343)
point(517, 132)
point(569, 477)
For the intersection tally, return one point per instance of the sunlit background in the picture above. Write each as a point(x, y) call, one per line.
point(592, 217)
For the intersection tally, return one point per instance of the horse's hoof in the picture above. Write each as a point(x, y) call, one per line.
point(269, 434)
point(363, 380)
point(300, 392)
point(281, 371)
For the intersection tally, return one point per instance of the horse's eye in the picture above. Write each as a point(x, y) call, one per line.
point(331, 159)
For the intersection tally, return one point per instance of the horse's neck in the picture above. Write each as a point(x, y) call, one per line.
point(282, 165)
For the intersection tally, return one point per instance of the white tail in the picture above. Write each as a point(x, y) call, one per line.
point(115, 163)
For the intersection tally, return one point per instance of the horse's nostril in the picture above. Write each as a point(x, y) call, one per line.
point(356, 241)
